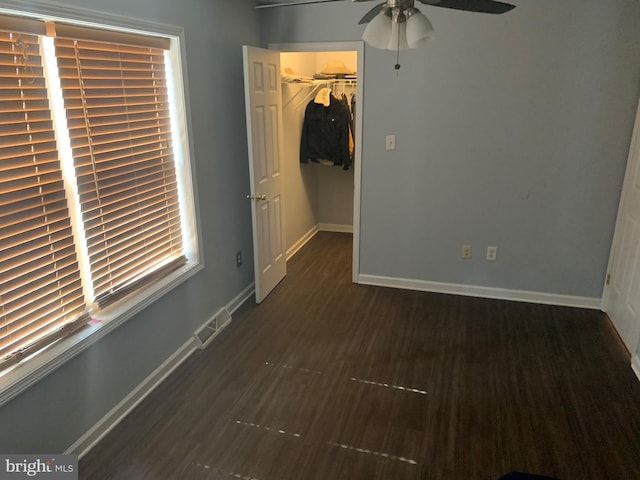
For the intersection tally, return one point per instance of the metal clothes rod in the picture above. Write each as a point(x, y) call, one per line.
point(311, 92)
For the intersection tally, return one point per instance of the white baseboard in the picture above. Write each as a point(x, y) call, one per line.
point(301, 242)
point(242, 297)
point(321, 227)
point(96, 433)
point(485, 292)
point(334, 227)
point(635, 365)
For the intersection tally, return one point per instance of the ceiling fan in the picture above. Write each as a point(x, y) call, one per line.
point(397, 24)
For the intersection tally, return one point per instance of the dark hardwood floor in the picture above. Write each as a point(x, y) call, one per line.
point(331, 380)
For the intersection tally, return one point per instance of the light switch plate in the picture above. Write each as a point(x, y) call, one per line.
point(391, 142)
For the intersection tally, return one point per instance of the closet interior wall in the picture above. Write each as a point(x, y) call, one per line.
point(317, 197)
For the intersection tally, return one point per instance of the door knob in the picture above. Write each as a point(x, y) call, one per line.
point(257, 196)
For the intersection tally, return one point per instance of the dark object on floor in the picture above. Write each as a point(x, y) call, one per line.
point(524, 476)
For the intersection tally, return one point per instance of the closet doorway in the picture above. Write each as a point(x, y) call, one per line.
point(315, 197)
point(319, 197)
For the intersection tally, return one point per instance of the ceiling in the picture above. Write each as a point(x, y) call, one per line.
point(272, 2)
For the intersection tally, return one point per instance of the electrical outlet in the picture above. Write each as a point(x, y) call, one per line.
point(492, 253)
point(466, 251)
point(239, 258)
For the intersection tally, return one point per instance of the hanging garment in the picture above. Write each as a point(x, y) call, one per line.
point(323, 97)
point(325, 133)
point(353, 115)
point(351, 142)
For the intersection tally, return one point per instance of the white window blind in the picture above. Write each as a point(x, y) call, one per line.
point(117, 109)
point(40, 290)
point(116, 104)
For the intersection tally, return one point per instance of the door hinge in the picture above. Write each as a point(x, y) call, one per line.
point(608, 279)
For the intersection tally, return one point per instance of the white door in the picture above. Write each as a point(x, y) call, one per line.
point(263, 103)
point(623, 296)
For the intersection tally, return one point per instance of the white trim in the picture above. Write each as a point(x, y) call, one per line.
point(626, 185)
point(107, 423)
point(22, 376)
point(635, 365)
point(85, 16)
point(302, 241)
point(321, 227)
point(357, 46)
point(485, 292)
point(334, 227)
point(242, 297)
point(98, 431)
point(19, 378)
point(317, 46)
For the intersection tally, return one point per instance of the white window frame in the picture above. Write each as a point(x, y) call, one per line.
point(20, 377)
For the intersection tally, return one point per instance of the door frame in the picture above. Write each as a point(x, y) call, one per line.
point(357, 156)
point(633, 162)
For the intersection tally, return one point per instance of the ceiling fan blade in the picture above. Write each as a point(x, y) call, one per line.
point(295, 2)
point(480, 6)
point(371, 14)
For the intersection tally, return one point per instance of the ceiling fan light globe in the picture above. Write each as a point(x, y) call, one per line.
point(398, 40)
point(419, 30)
point(378, 32)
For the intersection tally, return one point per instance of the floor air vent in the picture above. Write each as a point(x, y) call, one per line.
point(205, 334)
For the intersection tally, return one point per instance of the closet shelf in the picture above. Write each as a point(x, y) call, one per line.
point(309, 89)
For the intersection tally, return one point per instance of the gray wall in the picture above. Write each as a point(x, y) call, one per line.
point(512, 131)
point(54, 413)
point(300, 183)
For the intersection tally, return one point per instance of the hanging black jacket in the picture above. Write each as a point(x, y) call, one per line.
point(325, 133)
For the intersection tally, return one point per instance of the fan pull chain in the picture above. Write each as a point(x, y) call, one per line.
point(397, 65)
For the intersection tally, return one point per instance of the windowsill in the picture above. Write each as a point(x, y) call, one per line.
point(20, 377)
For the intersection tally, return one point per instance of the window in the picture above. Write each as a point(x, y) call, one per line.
point(93, 209)
point(41, 291)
